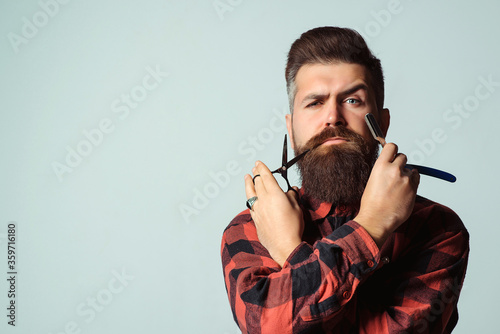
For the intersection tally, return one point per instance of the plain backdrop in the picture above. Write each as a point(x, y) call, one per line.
point(127, 127)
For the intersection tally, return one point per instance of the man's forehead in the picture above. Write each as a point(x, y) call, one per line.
point(335, 74)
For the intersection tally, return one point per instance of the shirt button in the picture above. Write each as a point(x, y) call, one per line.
point(370, 263)
point(385, 260)
point(346, 294)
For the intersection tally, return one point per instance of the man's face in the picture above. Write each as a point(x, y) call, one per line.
point(333, 95)
point(328, 118)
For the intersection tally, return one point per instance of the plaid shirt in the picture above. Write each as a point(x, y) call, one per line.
point(338, 281)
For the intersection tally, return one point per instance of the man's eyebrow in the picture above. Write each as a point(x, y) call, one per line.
point(361, 86)
point(314, 96)
point(318, 96)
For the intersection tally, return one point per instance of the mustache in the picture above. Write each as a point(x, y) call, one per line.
point(331, 132)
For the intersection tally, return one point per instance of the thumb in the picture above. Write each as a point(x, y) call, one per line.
point(293, 194)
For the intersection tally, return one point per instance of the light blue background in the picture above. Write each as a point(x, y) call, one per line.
point(221, 103)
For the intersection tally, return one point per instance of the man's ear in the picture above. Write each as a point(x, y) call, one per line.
point(288, 118)
point(384, 120)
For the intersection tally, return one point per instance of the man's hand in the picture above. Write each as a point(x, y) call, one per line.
point(276, 214)
point(389, 195)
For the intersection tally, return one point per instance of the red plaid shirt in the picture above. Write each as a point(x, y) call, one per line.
point(338, 281)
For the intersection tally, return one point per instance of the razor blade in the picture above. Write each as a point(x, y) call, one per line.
point(379, 136)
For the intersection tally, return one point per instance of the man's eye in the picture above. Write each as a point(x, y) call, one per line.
point(313, 104)
point(352, 101)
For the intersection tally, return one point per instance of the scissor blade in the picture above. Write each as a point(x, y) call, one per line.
point(284, 159)
point(297, 158)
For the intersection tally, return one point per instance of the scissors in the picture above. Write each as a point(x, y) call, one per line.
point(285, 165)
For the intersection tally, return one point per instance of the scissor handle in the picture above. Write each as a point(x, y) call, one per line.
point(280, 171)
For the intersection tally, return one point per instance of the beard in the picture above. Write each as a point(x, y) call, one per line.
point(338, 173)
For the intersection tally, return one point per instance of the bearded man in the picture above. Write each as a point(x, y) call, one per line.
point(355, 250)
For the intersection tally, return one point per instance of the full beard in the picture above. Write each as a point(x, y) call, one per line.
point(338, 173)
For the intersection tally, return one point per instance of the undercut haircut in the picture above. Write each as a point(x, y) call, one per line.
point(332, 45)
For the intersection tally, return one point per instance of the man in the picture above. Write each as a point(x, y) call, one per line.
point(355, 250)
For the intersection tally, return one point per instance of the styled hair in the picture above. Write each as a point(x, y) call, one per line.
point(330, 45)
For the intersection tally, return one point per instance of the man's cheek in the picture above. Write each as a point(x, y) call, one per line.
point(298, 140)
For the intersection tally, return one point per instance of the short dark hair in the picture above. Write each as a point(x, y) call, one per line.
point(327, 45)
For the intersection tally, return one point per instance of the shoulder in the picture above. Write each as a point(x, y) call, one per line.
point(434, 237)
point(240, 241)
point(241, 227)
point(241, 218)
point(435, 216)
point(433, 226)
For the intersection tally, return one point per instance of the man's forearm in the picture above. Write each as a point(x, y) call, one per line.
point(258, 288)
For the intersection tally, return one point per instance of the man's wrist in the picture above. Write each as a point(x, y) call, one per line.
point(378, 234)
point(281, 254)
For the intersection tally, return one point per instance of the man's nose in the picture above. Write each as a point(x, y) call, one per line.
point(334, 115)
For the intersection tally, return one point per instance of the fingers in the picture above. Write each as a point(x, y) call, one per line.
point(415, 178)
point(266, 181)
point(388, 152)
point(249, 187)
point(413, 174)
point(257, 181)
point(400, 159)
point(293, 195)
point(257, 184)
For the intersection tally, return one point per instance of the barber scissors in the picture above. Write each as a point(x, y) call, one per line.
point(285, 165)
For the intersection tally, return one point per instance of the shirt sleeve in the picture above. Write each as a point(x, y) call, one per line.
point(315, 283)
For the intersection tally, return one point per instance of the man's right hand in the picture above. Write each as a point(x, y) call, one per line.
point(389, 195)
point(277, 215)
